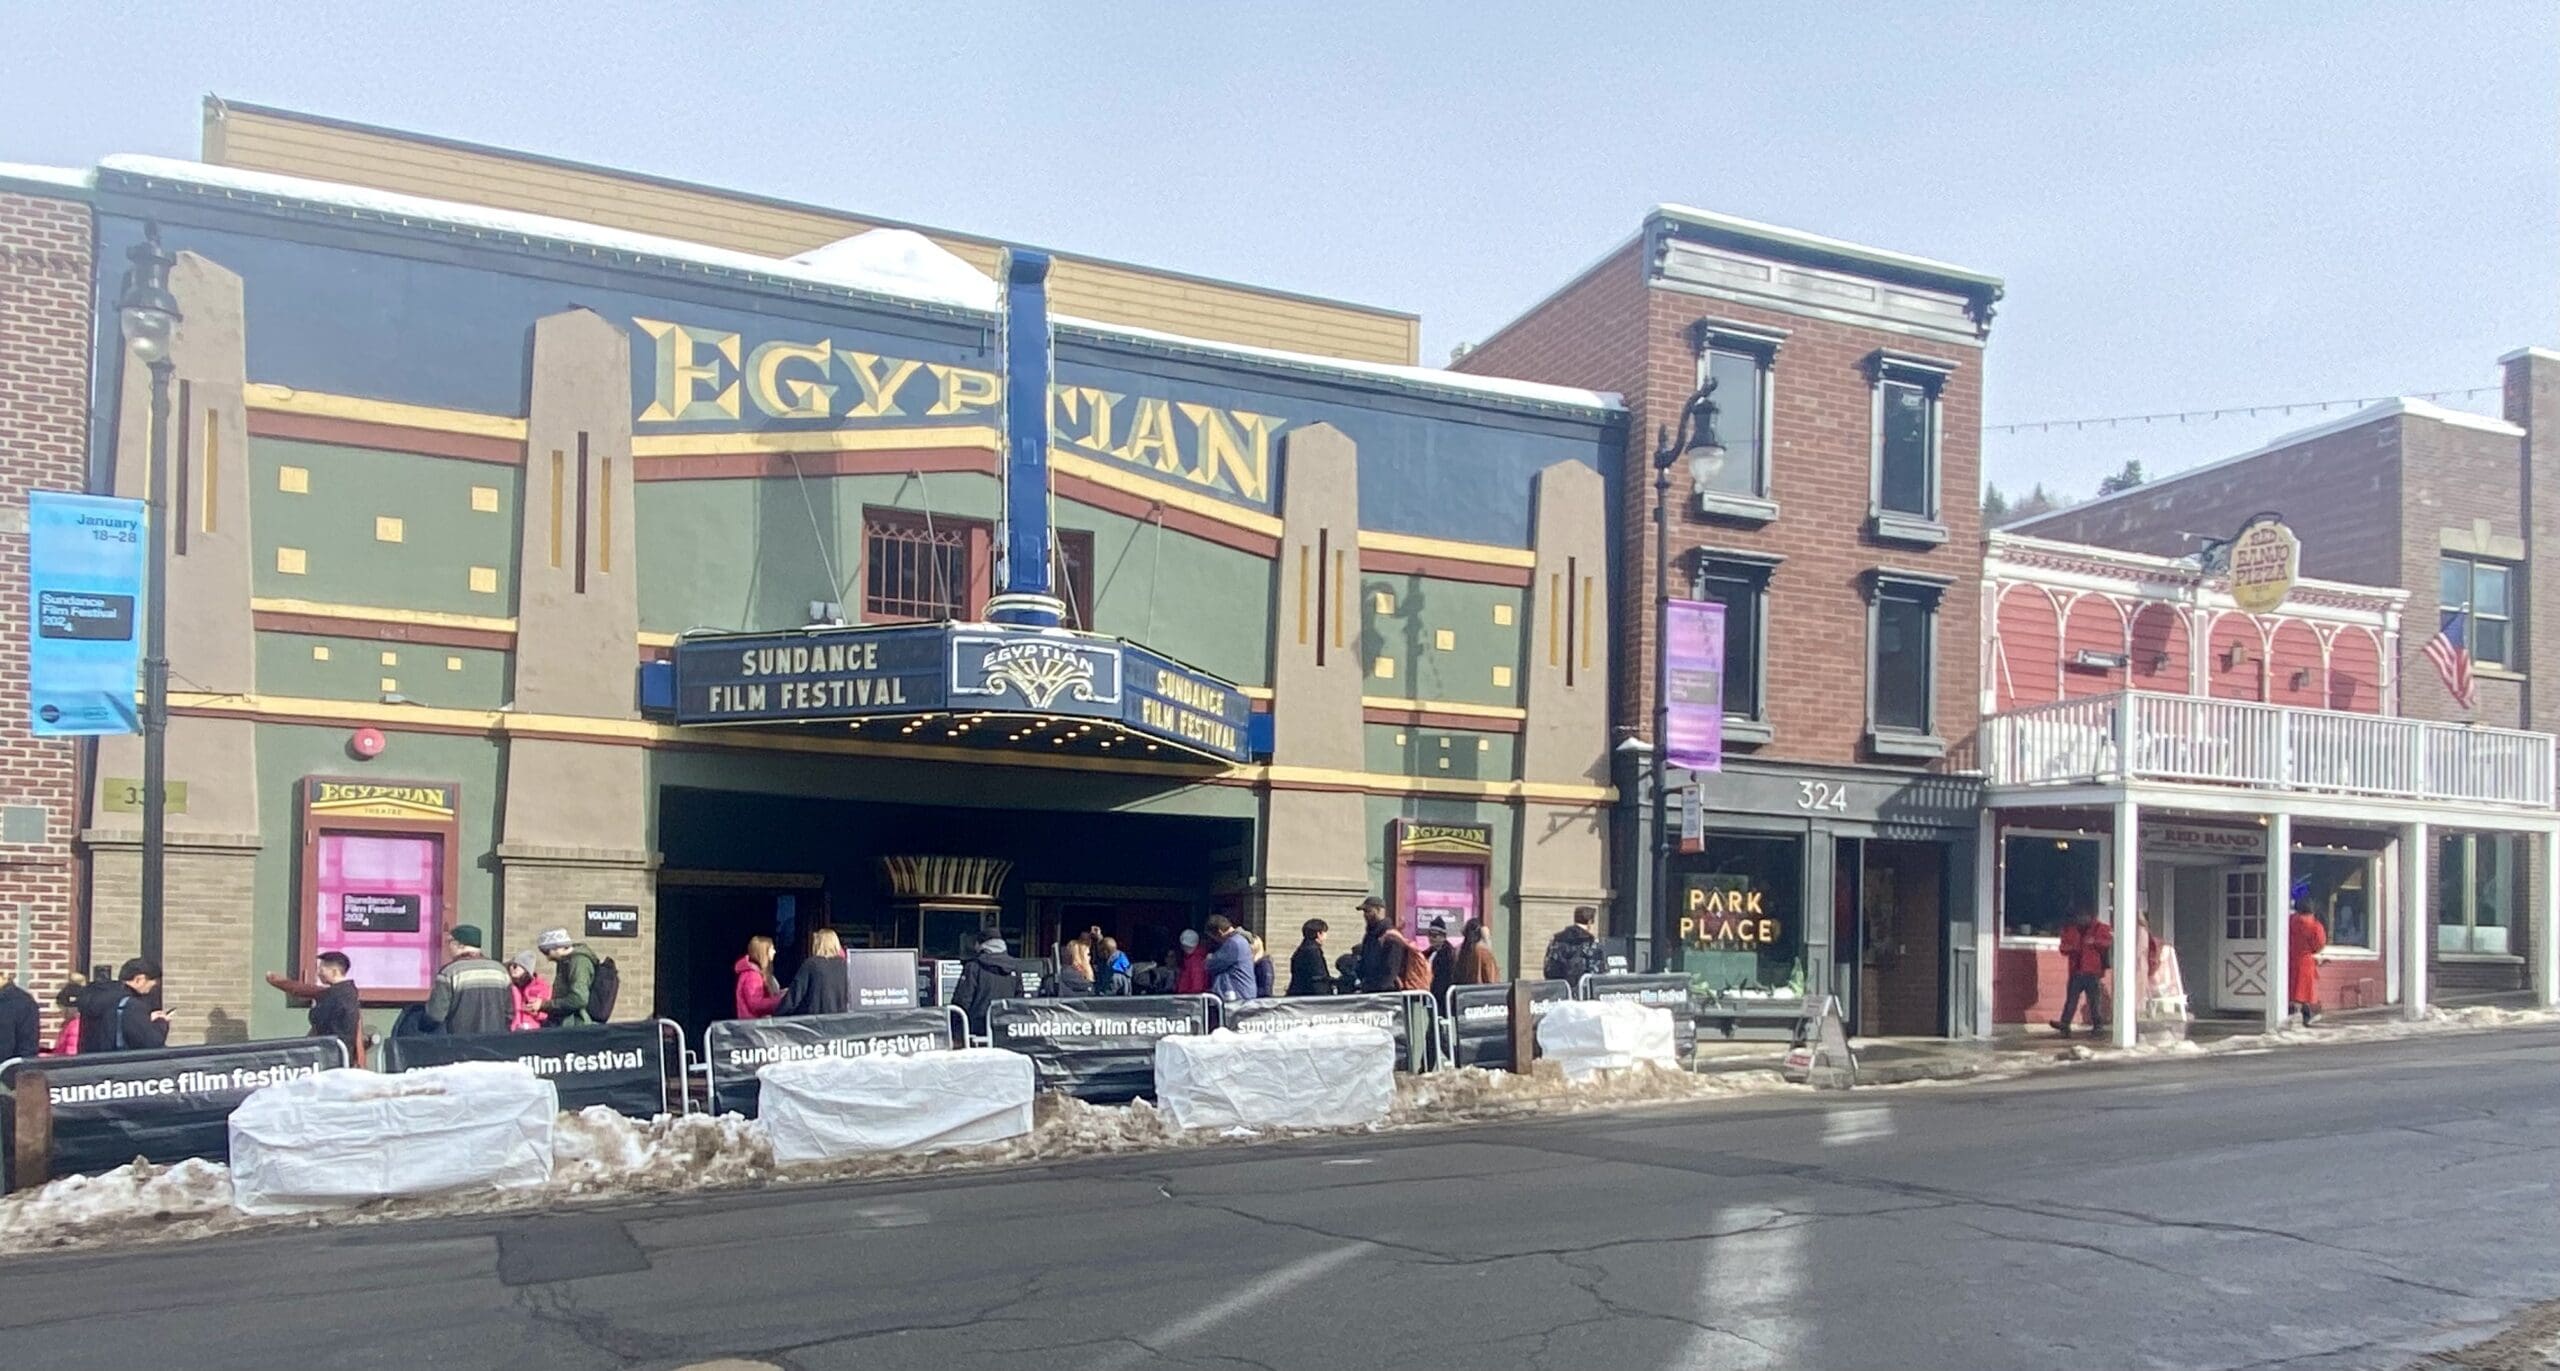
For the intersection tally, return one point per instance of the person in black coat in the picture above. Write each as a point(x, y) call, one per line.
point(1308, 974)
point(21, 1026)
point(824, 983)
point(118, 1017)
point(986, 978)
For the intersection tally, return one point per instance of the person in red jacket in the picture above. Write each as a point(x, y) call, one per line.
point(758, 993)
point(2304, 937)
point(2086, 945)
point(1191, 967)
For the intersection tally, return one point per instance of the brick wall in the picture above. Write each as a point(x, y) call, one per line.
point(2533, 401)
point(2454, 479)
point(207, 917)
point(1609, 330)
point(2340, 492)
point(46, 272)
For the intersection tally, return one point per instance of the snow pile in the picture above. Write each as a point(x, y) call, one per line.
point(599, 1152)
point(190, 1199)
point(893, 261)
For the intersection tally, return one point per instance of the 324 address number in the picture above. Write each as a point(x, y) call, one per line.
point(1822, 795)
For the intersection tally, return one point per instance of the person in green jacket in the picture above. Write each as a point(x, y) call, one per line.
point(571, 983)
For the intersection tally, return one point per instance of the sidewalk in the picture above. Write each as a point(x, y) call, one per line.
point(1895, 1061)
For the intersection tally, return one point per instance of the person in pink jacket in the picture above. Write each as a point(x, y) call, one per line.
point(532, 988)
point(758, 993)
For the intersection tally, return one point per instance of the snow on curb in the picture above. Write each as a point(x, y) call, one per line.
point(600, 1155)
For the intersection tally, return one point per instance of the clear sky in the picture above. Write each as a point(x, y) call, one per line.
point(2194, 205)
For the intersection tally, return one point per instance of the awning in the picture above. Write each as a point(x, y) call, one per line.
point(998, 686)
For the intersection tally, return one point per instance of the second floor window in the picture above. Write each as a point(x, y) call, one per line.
point(930, 569)
point(1740, 583)
point(1905, 481)
point(2479, 589)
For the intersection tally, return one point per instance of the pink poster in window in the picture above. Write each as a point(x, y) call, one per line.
point(1439, 890)
point(382, 904)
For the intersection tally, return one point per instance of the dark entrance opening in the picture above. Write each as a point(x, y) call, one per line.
point(1889, 906)
point(741, 863)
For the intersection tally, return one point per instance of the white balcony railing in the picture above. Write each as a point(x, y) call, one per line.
point(2141, 736)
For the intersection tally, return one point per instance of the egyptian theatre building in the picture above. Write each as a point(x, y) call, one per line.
point(536, 573)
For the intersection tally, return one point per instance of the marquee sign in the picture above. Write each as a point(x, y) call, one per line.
point(846, 674)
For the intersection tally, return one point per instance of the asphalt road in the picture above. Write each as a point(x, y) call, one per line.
point(2353, 1206)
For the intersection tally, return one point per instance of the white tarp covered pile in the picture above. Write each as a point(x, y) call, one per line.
point(344, 1137)
point(1585, 1036)
point(1316, 1076)
point(829, 1108)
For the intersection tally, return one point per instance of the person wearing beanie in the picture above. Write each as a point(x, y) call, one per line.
point(571, 984)
point(1191, 969)
point(473, 992)
point(987, 977)
point(525, 972)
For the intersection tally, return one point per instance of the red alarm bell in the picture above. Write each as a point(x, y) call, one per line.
point(367, 744)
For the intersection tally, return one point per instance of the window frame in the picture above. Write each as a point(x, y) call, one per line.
point(1929, 594)
point(1927, 527)
point(1753, 570)
point(2371, 948)
point(2104, 895)
point(1759, 346)
point(2468, 843)
point(2470, 599)
point(1070, 549)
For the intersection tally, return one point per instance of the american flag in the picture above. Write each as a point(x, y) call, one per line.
point(2451, 653)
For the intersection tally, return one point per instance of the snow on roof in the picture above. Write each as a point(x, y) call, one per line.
point(2545, 354)
point(914, 263)
point(890, 268)
point(1708, 218)
point(70, 178)
point(2387, 409)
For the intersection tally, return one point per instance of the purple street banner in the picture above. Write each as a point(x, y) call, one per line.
point(1693, 667)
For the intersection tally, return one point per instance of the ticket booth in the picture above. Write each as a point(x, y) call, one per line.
point(1439, 871)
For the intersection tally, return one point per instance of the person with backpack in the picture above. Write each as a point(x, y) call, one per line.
point(472, 992)
point(116, 1016)
point(1575, 951)
point(582, 989)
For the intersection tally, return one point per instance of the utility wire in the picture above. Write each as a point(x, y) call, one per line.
point(2252, 411)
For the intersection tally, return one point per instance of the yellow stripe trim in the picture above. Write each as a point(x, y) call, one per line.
point(323, 405)
point(752, 441)
point(1174, 497)
point(1443, 707)
point(423, 617)
point(641, 730)
point(1488, 553)
point(649, 639)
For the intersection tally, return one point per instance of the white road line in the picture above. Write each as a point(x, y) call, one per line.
point(1208, 1316)
point(1842, 1127)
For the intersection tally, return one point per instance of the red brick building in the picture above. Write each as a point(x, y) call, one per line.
point(2452, 506)
point(1842, 534)
point(45, 276)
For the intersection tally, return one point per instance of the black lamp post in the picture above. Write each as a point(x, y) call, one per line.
point(150, 315)
point(1696, 440)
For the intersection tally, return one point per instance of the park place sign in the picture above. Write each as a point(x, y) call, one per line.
point(2264, 558)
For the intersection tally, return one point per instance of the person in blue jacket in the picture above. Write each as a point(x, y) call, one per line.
point(1231, 962)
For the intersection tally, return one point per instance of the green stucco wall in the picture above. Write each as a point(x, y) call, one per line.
point(334, 527)
point(1401, 620)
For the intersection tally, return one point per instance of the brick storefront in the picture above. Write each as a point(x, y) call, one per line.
point(1829, 323)
point(46, 271)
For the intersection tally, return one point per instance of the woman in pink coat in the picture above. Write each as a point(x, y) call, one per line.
point(531, 987)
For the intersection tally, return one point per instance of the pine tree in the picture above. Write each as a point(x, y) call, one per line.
point(1995, 506)
point(2123, 480)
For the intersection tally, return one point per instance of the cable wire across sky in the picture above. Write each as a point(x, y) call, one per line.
point(2228, 411)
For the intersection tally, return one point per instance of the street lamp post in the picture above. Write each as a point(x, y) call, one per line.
point(1696, 439)
point(150, 316)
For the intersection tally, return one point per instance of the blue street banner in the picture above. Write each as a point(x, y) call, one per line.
point(84, 567)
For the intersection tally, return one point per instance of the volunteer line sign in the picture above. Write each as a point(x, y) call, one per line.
point(164, 1107)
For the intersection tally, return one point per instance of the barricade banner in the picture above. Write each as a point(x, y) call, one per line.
point(1100, 1048)
point(1408, 1016)
point(736, 1049)
point(621, 1066)
point(1661, 990)
point(1480, 1019)
point(166, 1106)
